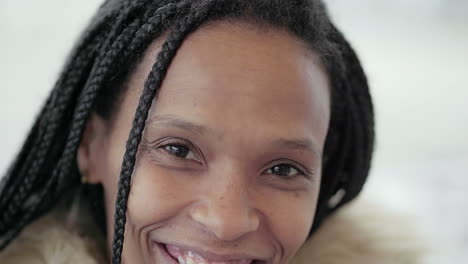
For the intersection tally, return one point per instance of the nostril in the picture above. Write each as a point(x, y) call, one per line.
point(226, 222)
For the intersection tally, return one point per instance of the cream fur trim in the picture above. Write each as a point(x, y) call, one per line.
point(357, 234)
point(362, 233)
point(48, 241)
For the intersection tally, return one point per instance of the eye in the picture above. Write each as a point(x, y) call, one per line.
point(180, 151)
point(284, 170)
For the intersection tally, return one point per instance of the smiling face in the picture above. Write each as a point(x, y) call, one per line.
point(229, 166)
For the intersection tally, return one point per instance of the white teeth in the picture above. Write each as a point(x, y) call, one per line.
point(190, 261)
point(181, 260)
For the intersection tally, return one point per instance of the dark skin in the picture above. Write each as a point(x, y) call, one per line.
point(229, 166)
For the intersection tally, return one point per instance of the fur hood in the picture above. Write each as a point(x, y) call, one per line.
point(357, 234)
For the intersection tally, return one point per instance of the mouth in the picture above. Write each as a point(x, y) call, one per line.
point(178, 255)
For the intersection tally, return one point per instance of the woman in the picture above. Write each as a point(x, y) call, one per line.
point(242, 125)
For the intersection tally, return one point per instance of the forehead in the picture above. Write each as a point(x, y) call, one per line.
point(244, 78)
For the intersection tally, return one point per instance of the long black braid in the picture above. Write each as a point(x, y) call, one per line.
point(109, 50)
point(155, 78)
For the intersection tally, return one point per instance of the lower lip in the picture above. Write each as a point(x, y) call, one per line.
point(167, 257)
point(171, 260)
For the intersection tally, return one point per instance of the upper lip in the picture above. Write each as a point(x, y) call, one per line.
point(209, 255)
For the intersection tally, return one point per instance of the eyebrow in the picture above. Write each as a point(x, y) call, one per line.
point(299, 144)
point(174, 121)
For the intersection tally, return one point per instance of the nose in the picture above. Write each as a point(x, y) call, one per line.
point(226, 212)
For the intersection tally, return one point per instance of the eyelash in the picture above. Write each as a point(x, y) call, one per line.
point(178, 144)
point(299, 172)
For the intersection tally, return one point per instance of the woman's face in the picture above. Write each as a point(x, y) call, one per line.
point(229, 167)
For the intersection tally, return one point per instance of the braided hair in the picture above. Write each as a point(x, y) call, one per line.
point(109, 50)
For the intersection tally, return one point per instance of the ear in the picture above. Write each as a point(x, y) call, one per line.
point(91, 147)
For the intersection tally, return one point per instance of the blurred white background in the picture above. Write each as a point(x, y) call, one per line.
point(416, 57)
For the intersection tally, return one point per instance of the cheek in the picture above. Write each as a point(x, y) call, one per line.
point(156, 194)
point(291, 218)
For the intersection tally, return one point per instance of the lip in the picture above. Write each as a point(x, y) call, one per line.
point(165, 254)
point(206, 254)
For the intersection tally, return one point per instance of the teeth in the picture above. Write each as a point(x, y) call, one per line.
point(193, 258)
point(181, 260)
point(190, 261)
